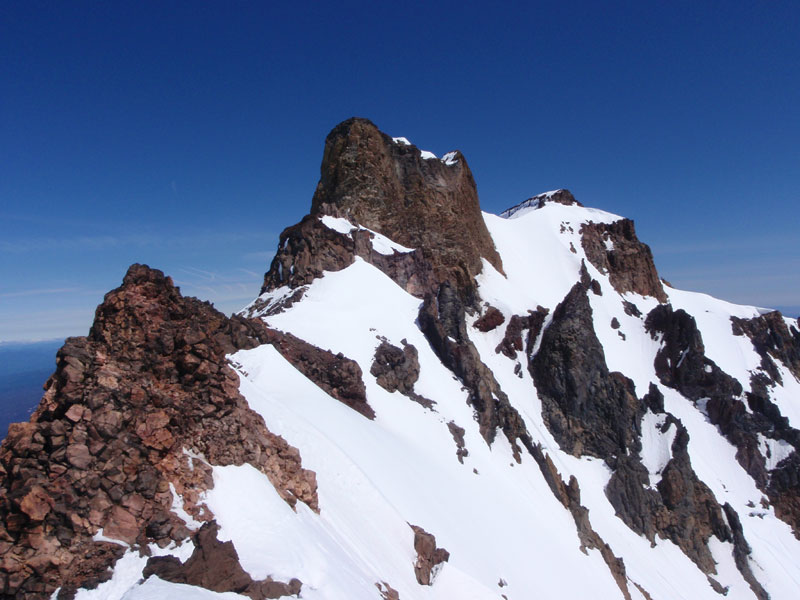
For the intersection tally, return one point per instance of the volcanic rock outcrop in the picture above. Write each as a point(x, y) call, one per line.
point(429, 557)
point(116, 439)
point(614, 249)
point(428, 205)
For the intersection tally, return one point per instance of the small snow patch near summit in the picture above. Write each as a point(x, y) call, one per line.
point(338, 224)
point(380, 243)
point(450, 158)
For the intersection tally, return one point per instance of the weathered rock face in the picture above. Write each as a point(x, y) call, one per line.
point(588, 409)
point(112, 439)
point(397, 369)
point(564, 197)
point(613, 248)
point(306, 250)
point(512, 339)
point(429, 557)
point(681, 362)
point(784, 491)
point(417, 202)
point(442, 318)
point(214, 565)
point(338, 375)
point(425, 204)
point(774, 340)
point(681, 508)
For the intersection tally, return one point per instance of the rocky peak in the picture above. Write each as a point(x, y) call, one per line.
point(390, 187)
point(561, 196)
point(613, 248)
point(109, 450)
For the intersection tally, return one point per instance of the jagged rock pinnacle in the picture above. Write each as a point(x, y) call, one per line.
point(418, 201)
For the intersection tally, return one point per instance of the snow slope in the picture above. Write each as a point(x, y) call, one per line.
point(508, 536)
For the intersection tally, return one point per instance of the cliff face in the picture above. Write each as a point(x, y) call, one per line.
point(395, 418)
point(388, 187)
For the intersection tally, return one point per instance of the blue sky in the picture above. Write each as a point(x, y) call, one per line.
point(187, 135)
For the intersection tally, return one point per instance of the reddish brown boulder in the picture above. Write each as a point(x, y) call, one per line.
point(78, 456)
point(36, 503)
point(429, 557)
point(121, 525)
point(491, 319)
point(214, 565)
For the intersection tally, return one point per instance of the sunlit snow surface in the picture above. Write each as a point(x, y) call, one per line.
point(380, 243)
point(498, 519)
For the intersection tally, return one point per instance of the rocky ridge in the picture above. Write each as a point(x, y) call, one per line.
point(129, 424)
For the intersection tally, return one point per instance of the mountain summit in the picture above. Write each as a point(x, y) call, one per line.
point(382, 185)
point(424, 401)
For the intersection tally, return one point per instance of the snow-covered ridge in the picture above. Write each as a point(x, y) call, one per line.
point(535, 202)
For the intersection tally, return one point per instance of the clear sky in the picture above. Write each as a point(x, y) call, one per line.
point(187, 135)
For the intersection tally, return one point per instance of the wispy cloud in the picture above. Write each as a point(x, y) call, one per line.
point(42, 292)
point(258, 256)
point(762, 244)
point(45, 324)
point(228, 291)
point(252, 274)
point(100, 242)
point(201, 273)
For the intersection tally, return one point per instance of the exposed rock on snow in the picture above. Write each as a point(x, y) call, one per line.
point(214, 565)
point(490, 320)
point(517, 324)
point(338, 375)
point(773, 340)
point(681, 362)
point(564, 197)
point(588, 409)
point(397, 369)
point(613, 248)
point(429, 557)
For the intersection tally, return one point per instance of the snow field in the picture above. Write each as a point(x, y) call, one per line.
point(530, 233)
point(404, 465)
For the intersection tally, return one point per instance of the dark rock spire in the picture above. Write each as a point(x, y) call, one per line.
point(427, 204)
